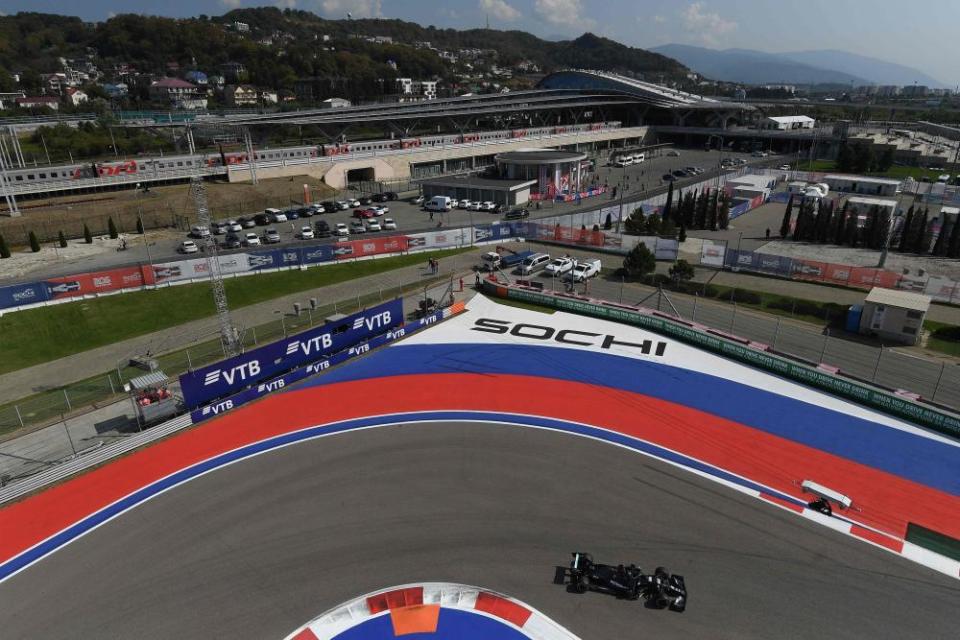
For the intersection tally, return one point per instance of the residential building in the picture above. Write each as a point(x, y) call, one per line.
point(416, 89)
point(53, 83)
point(75, 96)
point(116, 90)
point(232, 71)
point(198, 78)
point(8, 99)
point(241, 95)
point(38, 102)
point(866, 185)
point(240, 27)
point(915, 91)
point(180, 94)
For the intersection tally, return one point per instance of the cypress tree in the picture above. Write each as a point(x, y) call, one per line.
point(34, 243)
point(669, 205)
point(62, 239)
point(920, 234)
point(112, 228)
point(700, 213)
point(850, 237)
point(940, 246)
point(785, 225)
point(723, 218)
point(840, 226)
point(689, 208)
point(905, 231)
point(712, 210)
point(4, 249)
point(141, 231)
point(683, 233)
point(801, 221)
point(875, 237)
point(953, 249)
point(86, 235)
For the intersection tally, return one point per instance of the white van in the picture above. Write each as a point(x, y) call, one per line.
point(536, 262)
point(623, 161)
point(638, 158)
point(275, 215)
point(438, 203)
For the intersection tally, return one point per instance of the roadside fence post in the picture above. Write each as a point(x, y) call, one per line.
point(69, 437)
point(733, 317)
point(358, 302)
point(876, 369)
point(621, 289)
point(16, 408)
point(112, 388)
point(380, 293)
point(943, 366)
point(776, 334)
point(190, 363)
point(67, 398)
point(823, 351)
point(696, 299)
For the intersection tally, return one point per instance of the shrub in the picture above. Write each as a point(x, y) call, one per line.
point(746, 297)
point(34, 243)
point(62, 240)
point(86, 235)
point(951, 333)
point(4, 249)
point(140, 226)
point(112, 229)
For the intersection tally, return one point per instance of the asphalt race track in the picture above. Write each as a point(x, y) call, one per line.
point(257, 548)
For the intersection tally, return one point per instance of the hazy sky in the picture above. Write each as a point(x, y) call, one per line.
point(922, 35)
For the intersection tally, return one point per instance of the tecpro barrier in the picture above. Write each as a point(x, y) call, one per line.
point(227, 376)
point(888, 402)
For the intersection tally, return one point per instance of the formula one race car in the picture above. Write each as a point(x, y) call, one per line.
point(659, 590)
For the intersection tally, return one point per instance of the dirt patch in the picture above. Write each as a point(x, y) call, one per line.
point(162, 207)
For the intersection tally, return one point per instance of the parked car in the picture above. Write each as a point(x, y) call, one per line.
point(534, 263)
point(251, 240)
point(474, 206)
point(500, 208)
point(318, 209)
point(680, 173)
point(292, 214)
point(388, 224)
point(380, 210)
point(247, 222)
point(353, 202)
point(272, 236)
point(356, 226)
point(322, 229)
point(199, 231)
point(374, 225)
point(330, 206)
point(391, 195)
point(232, 241)
point(583, 269)
point(488, 206)
point(365, 201)
point(668, 177)
point(306, 233)
point(305, 212)
point(188, 246)
point(784, 167)
point(559, 266)
point(343, 205)
point(364, 213)
point(516, 214)
point(463, 204)
point(379, 197)
point(279, 216)
point(341, 230)
point(218, 228)
point(417, 200)
point(233, 225)
point(673, 153)
point(262, 219)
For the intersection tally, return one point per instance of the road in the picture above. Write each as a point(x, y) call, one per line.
point(260, 547)
point(644, 182)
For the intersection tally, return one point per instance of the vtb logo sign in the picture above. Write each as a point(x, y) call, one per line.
point(565, 336)
point(240, 372)
point(313, 345)
point(377, 321)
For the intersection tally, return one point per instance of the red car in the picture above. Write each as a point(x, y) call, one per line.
point(364, 213)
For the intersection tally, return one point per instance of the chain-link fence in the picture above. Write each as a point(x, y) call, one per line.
point(854, 355)
point(88, 414)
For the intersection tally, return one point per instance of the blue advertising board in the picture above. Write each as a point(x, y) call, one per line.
point(227, 376)
point(263, 388)
point(17, 295)
point(317, 254)
point(777, 265)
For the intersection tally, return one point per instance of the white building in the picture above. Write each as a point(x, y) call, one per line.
point(861, 207)
point(892, 314)
point(76, 97)
point(862, 184)
point(787, 123)
point(423, 89)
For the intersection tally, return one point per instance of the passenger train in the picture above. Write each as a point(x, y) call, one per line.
point(149, 167)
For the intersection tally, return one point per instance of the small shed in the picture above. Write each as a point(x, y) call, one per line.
point(891, 314)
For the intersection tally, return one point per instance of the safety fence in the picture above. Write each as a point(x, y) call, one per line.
point(831, 379)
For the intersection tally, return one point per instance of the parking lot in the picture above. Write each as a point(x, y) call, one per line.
point(641, 181)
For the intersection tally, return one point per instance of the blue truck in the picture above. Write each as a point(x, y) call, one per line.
point(492, 261)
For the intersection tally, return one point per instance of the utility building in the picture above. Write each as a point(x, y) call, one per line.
point(892, 314)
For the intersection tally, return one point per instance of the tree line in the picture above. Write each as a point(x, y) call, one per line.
point(820, 222)
point(696, 209)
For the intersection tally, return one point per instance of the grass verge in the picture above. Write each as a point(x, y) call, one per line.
point(39, 335)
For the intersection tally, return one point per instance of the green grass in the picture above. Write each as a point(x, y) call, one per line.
point(943, 337)
point(898, 172)
point(34, 336)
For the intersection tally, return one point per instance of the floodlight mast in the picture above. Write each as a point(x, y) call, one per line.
point(228, 334)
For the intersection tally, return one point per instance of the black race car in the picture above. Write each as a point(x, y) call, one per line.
point(659, 590)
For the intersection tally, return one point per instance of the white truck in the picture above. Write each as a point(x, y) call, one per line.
point(559, 266)
point(583, 269)
point(438, 203)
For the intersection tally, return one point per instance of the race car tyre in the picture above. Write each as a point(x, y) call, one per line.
point(583, 584)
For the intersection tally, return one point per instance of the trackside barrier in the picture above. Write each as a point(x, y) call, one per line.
point(753, 355)
point(257, 391)
point(101, 455)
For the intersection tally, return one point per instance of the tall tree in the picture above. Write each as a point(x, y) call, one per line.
point(905, 231)
point(837, 233)
point(940, 246)
point(953, 249)
point(920, 241)
point(875, 229)
point(700, 213)
point(787, 214)
point(4, 249)
point(34, 243)
point(723, 217)
point(850, 236)
point(712, 210)
point(669, 204)
point(639, 262)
